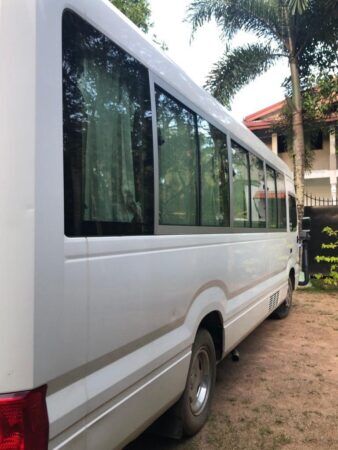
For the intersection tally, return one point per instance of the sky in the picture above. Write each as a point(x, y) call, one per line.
point(197, 57)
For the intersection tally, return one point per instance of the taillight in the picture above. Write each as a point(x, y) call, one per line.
point(24, 420)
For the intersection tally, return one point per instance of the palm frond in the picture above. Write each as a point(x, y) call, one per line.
point(262, 17)
point(298, 6)
point(238, 67)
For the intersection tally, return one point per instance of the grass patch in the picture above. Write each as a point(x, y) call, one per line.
point(282, 439)
point(319, 286)
point(265, 431)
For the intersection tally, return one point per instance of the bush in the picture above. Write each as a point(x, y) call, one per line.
point(331, 279)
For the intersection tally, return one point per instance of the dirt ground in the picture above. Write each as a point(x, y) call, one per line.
point(283, 393)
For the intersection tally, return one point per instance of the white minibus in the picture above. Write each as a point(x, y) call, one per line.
point(144, 232)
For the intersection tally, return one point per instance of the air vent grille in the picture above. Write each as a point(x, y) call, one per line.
point(273, 302)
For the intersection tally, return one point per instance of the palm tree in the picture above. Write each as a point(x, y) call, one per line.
point(286, 29)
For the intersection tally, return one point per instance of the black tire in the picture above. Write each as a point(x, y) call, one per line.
point(284, 308)
point(193, 408)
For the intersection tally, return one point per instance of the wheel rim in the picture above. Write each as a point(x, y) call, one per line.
point(199, 382)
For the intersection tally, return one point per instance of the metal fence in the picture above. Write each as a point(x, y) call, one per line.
point(312, 200)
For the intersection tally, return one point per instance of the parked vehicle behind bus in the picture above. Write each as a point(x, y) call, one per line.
point(144, 231)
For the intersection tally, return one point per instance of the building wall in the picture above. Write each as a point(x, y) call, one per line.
point(287, 159)
point(319, 187)
point(322, 180)
point(321, 160)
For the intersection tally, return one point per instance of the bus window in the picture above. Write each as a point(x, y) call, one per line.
point(108, 162)
point(272, 197)
point(258, 203)
point(241, 186)
point(281, 201)
point(214, 175)
point(178, 174)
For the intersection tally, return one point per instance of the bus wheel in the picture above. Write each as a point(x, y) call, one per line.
point(284, 308)
point(194, 405)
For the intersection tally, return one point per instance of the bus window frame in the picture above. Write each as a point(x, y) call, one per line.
point(293, 195)
point(159, 229)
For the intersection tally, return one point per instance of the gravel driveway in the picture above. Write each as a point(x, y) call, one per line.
point(283, 393)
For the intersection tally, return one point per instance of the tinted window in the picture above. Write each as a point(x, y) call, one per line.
point(282, 143)
point(316, 140)
point(281, 201)
point(241, 186)
point(108, 165)
point(292, 213)
point(178, 174)
point(272, 197)
point(214, 175)
point(258, 203)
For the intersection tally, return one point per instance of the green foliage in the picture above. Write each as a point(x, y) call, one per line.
point(138, 11)
point(330, 280)
point(237, 68)
point(258, 16)
point(320, 100)
point(286, 28)
point(320, 52)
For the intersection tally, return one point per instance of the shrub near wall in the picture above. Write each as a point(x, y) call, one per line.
point(330, 258)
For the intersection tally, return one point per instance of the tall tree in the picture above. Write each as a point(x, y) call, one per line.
point(138, 11)
point(291, 29)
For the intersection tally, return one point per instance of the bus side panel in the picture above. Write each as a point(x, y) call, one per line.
point(115, 422)
point(17, 193)
point(249, 302)
point(142, 287)
point(123, 420)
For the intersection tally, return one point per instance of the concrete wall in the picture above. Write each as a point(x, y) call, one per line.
point(323, 165)
point(321, 160)
point(319, 187)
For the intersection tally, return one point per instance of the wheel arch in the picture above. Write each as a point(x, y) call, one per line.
point(207, 311)
point(213, 323)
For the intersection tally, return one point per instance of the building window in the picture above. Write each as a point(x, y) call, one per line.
point(282, 143)
point(316, 140)
point(108, 155)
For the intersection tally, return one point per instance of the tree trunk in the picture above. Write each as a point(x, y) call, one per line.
point(297, 118)
point(298, 138)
